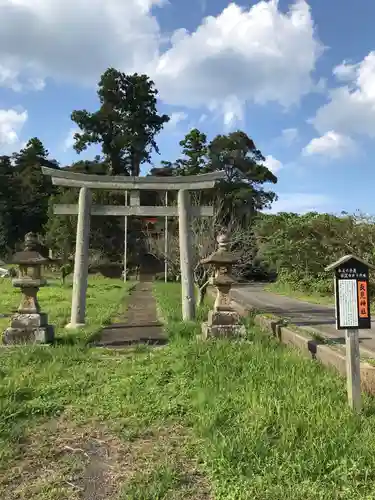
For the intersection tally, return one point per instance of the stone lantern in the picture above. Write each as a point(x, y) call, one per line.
point(223, 321)
point(29, 324)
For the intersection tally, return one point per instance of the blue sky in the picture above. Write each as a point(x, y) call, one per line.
point(298, 77)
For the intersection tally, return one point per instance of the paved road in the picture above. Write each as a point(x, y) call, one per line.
point(303, 314)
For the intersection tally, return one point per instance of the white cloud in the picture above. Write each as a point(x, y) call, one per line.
point(69, 139)
point(301, 203)
point(175, 118)
point(351, 108)
point(273, 164)
point(331, 145)
point(9, 77)
point(241, 55)
point(11, 124)
point(74, 40)
point(289, 136)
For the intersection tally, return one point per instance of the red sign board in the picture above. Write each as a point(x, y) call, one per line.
point(363, 299)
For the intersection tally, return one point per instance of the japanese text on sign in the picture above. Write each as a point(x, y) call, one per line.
point(362, 299)
point(350, 273)
point(348, 303)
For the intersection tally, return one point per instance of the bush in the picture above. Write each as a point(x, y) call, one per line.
point(321, 283)
point(299, 247)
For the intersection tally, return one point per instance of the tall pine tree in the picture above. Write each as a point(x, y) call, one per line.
point(126, 123)
point(33, 188)
point(7, 206)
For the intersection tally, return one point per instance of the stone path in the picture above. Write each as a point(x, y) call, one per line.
point(311, 317)
point(138, 325)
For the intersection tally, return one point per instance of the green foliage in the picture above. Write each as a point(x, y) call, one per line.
point(299, 247)
point(24, 194)
point(34, 188)
point(126, 123)
point(6, 205)
point(61, 230)
point(241, 193)
point(66, 270)
point(96, 167)
point(195, 154)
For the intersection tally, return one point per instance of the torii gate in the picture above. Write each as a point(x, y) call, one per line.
point(85, 209)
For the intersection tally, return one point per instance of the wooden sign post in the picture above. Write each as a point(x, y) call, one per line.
point(352, 304)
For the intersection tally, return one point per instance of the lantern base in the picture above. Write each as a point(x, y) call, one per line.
point(29, 320)
point(29, 329)
point(223, 324)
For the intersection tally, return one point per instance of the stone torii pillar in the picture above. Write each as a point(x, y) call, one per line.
point(187, 279)
point(81, 260)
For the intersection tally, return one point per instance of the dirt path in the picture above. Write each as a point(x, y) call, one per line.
point(138, 325)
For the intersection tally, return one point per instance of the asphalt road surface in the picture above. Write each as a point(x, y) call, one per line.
point(303, 314)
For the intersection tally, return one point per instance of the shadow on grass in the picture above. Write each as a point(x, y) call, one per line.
point(69, 339)
point(133, 342)
point(117, 326)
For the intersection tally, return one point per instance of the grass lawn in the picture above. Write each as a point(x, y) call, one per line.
point(193, 420)
point(104, 297)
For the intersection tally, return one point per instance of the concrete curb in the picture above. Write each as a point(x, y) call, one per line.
point(309, 347)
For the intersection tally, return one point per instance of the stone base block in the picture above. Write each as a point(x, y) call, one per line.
point(222, 331)
point(29, 320)
point(38, 335)
point(225, 318)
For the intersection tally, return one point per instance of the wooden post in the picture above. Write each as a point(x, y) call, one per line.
point(353, 369)
point(187, 283)
point(81, 261)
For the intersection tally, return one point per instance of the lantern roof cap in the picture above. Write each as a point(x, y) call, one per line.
point(31, 254)
point(222, 255)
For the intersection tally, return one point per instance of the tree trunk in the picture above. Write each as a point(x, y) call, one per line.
point(115, 164)
point(202, 292)
point(135, 163)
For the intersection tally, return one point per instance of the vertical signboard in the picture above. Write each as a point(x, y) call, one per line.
point(352, 314)
point(352, 297)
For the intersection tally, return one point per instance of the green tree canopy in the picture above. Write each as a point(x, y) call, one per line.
point(32, 188)
point(242, 190)
point(7, 202)
point(241, 193)
point(195, 158)
point(126, 123)
point(299, 247)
